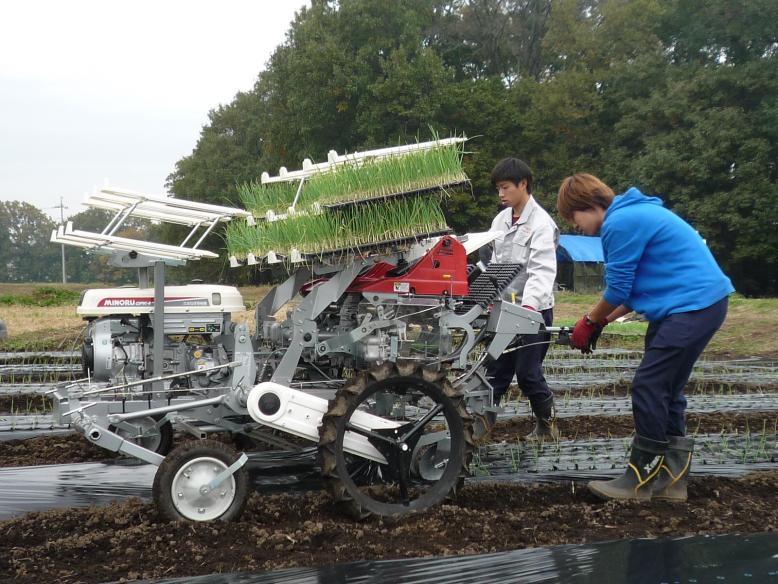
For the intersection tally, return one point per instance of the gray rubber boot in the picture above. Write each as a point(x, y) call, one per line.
point(645, 461)
point(670, 483)
point(545, 422)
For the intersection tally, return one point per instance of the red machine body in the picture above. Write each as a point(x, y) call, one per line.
point(443, 271)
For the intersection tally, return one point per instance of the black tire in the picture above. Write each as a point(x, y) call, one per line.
point(204, 458)
point(160, 443)
point(351, 479)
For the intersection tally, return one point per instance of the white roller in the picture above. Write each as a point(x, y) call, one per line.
point(301, 413)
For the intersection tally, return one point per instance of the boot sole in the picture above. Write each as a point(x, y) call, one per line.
point(606, 497)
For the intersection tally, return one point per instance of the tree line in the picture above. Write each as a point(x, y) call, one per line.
point(27, 255)
point(677, 97)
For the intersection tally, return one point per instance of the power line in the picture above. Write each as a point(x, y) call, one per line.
point(62, 208)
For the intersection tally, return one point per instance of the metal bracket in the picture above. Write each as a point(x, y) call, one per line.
point(224, 475)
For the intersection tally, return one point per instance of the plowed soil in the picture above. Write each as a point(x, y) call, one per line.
point(129, 540)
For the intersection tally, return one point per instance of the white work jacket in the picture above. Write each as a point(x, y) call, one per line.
point(531, 242)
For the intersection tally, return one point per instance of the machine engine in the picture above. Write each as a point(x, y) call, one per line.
point(119, 340)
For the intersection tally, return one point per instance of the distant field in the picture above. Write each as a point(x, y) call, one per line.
point(749, 330)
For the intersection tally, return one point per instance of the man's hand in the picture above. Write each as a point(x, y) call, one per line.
point(586, 333)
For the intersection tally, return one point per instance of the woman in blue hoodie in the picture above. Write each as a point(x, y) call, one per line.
point(658, 265)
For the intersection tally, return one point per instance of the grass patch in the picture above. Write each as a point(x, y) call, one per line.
point(40, 328)
point(747, 331)
point(42, 296)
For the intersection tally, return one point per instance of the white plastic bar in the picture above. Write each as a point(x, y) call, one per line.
point(122, 218)
point(168, 209)
point(123, 204)
point(178, 203)
point(155, 210)
point(111, 241)
point(91, 244)
point(113, 220)
point(299, 190)
point(191, 233)
point(203, 236)
point(334, 159)
point(61, 237)
point(142, 246)
point(179, 218)
point(57, 237)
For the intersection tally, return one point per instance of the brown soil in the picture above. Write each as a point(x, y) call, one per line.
point(51, 449)
point(129, 540)
point(74, 447)
point(25, 404)
point(583, 427)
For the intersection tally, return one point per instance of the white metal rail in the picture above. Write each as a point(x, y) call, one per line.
point(334, 159)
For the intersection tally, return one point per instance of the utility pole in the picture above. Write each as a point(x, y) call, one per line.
point(62, 208)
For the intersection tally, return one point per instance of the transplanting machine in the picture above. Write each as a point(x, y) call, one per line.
point(372, 350)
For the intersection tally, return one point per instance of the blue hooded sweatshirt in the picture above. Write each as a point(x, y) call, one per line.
point(655, 263)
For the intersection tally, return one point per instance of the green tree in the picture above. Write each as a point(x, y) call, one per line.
point(720, 31)
point(484, 39)
point(26, 254)
point(706, 141)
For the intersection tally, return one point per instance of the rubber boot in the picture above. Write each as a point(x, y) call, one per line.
point(645, 461)
point(670, 483)
point(545, 422)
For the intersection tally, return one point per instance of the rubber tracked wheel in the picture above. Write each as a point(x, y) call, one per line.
point(159, 440)
point(363, 487)
point(180, 485)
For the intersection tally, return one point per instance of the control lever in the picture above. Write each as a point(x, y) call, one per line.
point(563, 334)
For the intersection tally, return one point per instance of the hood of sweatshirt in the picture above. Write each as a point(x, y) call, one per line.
point(632, 196)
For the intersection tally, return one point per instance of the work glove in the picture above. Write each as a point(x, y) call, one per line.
point(586, 333)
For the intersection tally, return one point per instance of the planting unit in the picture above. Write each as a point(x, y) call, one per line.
point(379, 361)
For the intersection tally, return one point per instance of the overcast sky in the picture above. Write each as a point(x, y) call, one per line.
point(94, 91)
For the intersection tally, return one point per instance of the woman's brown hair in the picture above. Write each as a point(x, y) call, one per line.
point(581, 192)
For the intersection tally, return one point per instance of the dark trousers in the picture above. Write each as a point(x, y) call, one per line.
point(671, 349)
point(526, 363)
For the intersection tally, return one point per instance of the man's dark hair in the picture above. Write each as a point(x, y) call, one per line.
point(514, 170)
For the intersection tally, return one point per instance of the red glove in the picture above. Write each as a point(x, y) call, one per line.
point(528, 307)
point(586, 333)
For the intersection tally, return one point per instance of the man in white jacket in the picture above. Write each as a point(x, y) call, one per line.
point(529, 237)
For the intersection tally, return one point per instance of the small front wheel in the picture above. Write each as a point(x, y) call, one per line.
point(183, 486)
point(145, 432)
